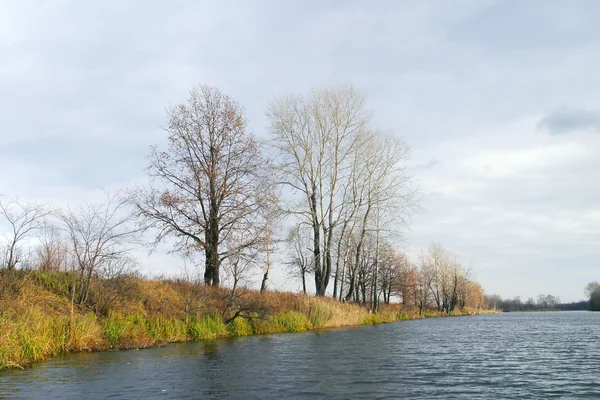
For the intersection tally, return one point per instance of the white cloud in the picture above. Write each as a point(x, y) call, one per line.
point(465, 84)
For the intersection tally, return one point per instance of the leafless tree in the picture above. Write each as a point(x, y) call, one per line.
point(315, 138)
point(299, 264)
point(101, 236)
point(391, 264)
point(425, 282)
point(589, 289)
point(24, 218)
point(270, 241)
point(214, 183)
point(384, 186)
point(113, 281)
point(52, 251)
point(240, 265)
point(192, 288)
point(447, 277)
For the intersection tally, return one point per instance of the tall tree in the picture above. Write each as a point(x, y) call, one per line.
point(384, 189)
point(315, 138)
point(213, 181)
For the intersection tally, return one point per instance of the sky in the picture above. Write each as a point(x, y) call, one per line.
point(499, 101)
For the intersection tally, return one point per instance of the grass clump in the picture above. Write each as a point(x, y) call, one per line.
point(207, 327)
point(240, 327)
point(290, 321)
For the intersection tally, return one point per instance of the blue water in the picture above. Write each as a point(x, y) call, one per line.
point(511, 355)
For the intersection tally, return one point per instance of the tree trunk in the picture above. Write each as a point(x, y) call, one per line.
point(359, 248)
point(327, 273)
point(304, 282)
point(11, 257)
point(263, 285)
point(212, 261)
point(342, 280)
point(335, 277)
point(316, 244)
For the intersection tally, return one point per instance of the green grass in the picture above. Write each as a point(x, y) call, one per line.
point(207, 327)
point(38, 321)
point(240, 327)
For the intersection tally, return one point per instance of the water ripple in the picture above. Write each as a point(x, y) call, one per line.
point(510, 356)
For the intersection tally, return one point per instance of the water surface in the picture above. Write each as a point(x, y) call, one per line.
point(511, 355)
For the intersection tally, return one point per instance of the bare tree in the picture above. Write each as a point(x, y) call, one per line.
point(114, 281)
point(384, 186)
point(300, 261)
point(193, 291)
point(590, 288)
point(24, 218)
point(272, 218)
point(101, 236)
point(447, 278)
point(52, 251)
point(315, 138)
point(213, 181)
point(391, 264)
point(425, 282)
point(240, 264)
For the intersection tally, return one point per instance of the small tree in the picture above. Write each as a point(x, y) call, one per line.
point(24, 218)
point(300, 262)
point(240, 265)
point(595, 300)
point(589, 289)
point(101, 235)
point(52, 251)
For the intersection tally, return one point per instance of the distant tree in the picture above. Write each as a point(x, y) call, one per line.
point(271, 220)
point(101, 235)
point(595, 300)
point(240, 265)
point(530, 304)
point(407, 283)
point(589, 289)
point(52, 251)
point(24, 218)
point(471, 294)
point(299, 263)
point(214, 182)
point(494, 301)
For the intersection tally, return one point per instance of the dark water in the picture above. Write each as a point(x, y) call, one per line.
point(512, 355)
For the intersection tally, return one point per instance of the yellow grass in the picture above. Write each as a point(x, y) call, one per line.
point(38, 321)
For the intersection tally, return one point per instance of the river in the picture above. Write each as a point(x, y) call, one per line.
point(511, 355)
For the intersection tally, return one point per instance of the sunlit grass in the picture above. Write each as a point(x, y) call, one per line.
point(42, 321)
point(207, 327)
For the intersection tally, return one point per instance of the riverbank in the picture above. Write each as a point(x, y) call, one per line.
point(39, 317)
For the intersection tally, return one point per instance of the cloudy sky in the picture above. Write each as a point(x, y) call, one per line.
point(499, 100)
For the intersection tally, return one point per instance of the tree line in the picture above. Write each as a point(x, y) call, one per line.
point(220, 196)
point(542, 303)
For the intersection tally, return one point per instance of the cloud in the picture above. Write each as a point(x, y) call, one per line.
point(530, 25)
point(429, 164)
point(569, 120)
point(464, 82)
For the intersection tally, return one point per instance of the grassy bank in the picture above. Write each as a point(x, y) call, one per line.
point(39, 317)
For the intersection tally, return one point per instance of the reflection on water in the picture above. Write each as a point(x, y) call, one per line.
point(533, 355)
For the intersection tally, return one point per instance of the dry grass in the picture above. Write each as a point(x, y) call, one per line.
point(38, 321)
